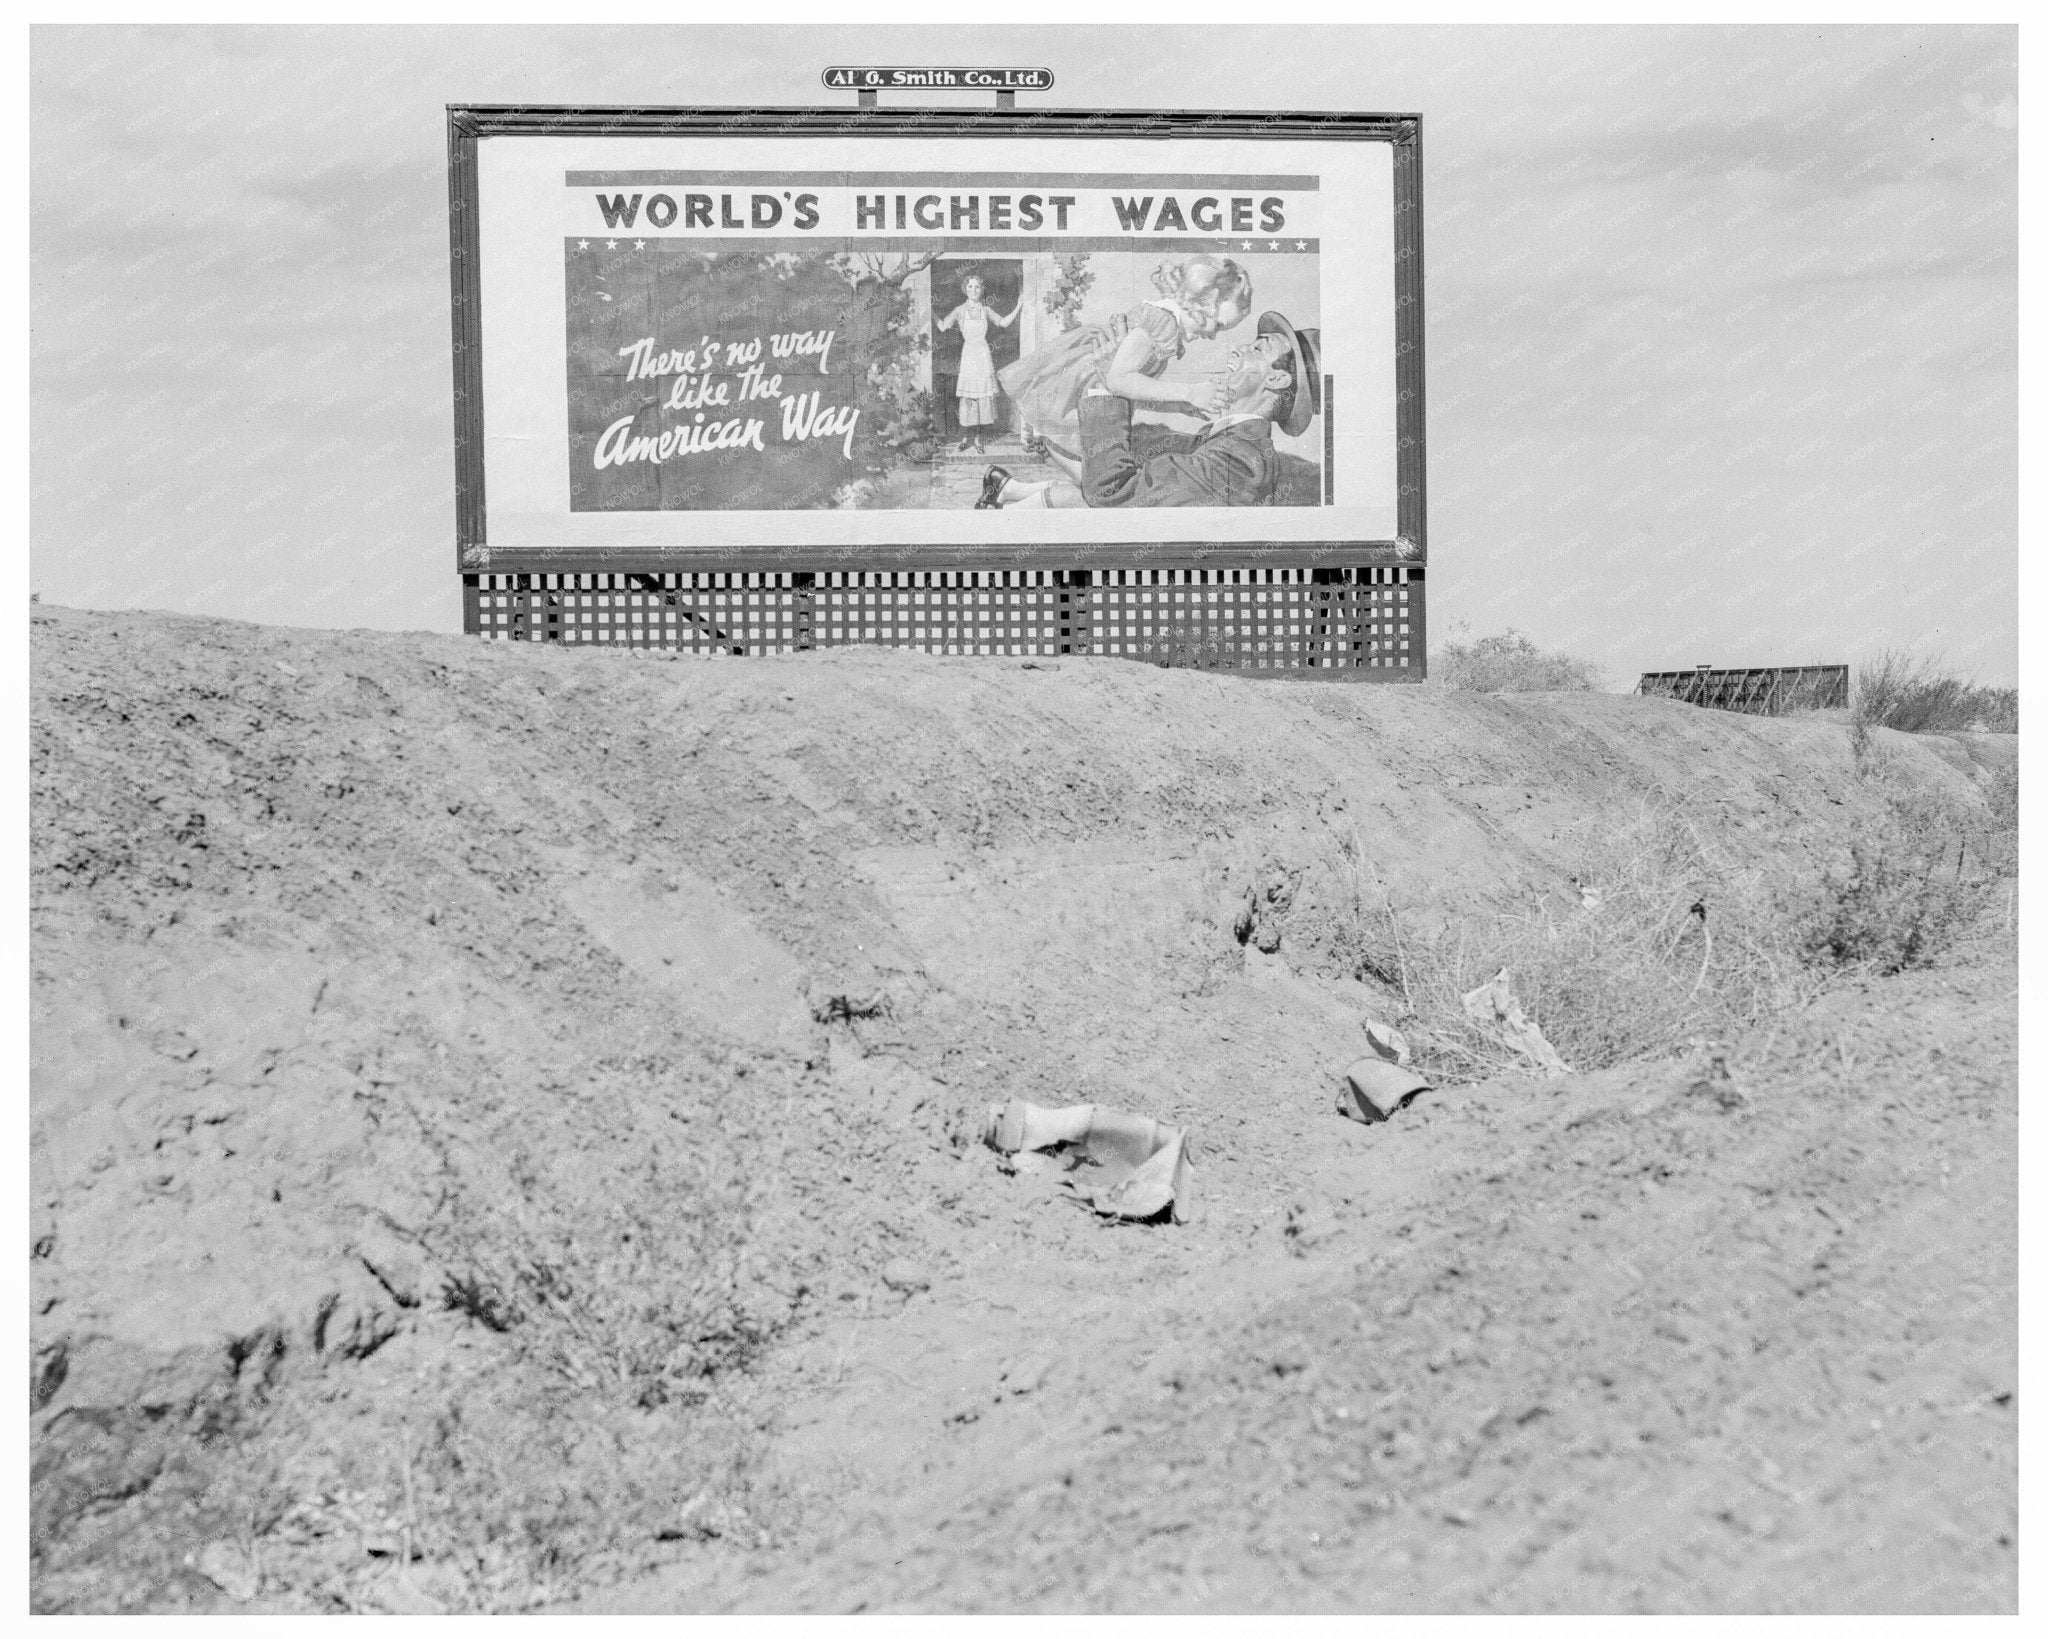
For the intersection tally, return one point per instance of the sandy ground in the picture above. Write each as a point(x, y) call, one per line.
point(346, 945)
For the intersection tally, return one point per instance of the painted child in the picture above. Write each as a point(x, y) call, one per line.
point(1199, 297)
point(978, 385)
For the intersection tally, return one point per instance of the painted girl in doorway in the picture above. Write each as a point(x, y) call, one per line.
point(978, 385)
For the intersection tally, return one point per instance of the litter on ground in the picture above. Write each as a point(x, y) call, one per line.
point(1374, 1088)
point(1124, 1165)
point(1386, 1041)
point(1493, 1007)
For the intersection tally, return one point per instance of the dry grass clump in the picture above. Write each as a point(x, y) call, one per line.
point(524, 1495)
point(644, 1303)
point(590, 1429)
point(1915, 878)
point(1918, 694)
point(1893, 908)
point(1662, 939)
point(1510, 662)
point(591, 1421)
point(503, 1493)
point(641, 1292)
point(1665, 937)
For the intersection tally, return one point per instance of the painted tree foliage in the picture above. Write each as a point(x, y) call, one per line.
point(767, 380)
point(1071, 282)
point(887, 348)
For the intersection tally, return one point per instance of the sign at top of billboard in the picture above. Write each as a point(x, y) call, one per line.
point(768, 343)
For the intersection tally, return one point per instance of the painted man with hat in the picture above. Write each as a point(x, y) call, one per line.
point(1274, 380)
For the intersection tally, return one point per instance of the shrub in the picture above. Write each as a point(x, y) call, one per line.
point(1918, 694)
point(1892, 909)
point(609, 1260)
point(527, 1488)
point(2002, 799)
point(510, 1491)
point(1665, 938)
point(1661, 939)
point(643, 1298)
point(1915, 878)
point(1509, 661)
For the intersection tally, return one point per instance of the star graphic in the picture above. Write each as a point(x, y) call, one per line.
point(1272, 244)
point(1245, 244)
point(1301, 244)
point(639, 244)
point(583, 244)
point(611, 244)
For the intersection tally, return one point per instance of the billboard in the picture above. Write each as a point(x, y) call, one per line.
point(694, 338)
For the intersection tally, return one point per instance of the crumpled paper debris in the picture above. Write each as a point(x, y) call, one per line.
point(228, 1569)
point(1386, 1041)
point(1374, 1088)
point(1493, 1007)
point(1128, 1166)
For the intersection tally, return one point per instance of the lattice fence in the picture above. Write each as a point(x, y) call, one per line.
point(1368, 619)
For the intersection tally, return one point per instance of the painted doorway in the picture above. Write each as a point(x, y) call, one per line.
point(1003, 279)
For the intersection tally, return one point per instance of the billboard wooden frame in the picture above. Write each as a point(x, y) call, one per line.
point(468, 124)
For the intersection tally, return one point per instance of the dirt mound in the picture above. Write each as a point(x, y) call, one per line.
point(1618, 1344)
point(479, 1091)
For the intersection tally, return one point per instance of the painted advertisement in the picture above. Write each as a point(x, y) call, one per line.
point(1028, 350)
point(782, 342)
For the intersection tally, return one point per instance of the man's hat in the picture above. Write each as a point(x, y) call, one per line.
point(1308, 371)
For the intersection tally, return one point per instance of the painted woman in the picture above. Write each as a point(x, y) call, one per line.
point(978, 384)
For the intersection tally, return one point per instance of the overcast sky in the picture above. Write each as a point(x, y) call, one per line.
point(1721, 322)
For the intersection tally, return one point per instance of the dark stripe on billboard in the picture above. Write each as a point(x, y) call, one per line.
point(1329, 441)
point(950, 244)
point(923, 179)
